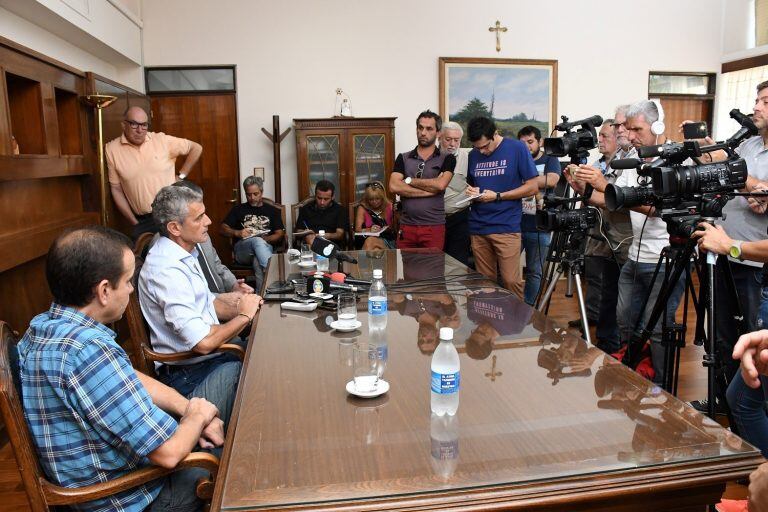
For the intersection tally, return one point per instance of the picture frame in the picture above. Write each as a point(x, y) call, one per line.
point(259, 172)
point(514, 92)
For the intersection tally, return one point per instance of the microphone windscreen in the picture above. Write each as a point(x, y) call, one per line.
point(625, 163)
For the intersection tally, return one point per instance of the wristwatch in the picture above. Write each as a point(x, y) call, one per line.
point(182, 176)
point(498, 197)
point(735, 250)
point(408, 180)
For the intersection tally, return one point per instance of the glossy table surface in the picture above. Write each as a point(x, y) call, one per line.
point(537, 405)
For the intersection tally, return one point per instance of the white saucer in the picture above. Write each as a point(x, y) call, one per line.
point(335, 325)
point(381, 387)
point(306, 264)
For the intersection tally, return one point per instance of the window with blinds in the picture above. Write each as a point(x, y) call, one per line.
point(737, 91)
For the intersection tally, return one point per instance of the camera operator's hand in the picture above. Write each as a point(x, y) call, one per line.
point(591, 176)
point(713, 238)
point(758, 204)
point(575, 183)
point(752, 349)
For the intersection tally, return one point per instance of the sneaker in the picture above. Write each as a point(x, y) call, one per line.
point(703, 405)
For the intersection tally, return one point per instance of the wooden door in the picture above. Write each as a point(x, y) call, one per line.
point(210, 120)
point(677, 110)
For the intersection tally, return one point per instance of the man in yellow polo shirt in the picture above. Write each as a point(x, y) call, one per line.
point(140, 163)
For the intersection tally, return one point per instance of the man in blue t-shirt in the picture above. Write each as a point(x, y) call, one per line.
point(535, 242)
point(500, 173)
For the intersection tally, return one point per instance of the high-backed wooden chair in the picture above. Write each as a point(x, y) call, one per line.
point(143, 355)
point(352, 243)
point(243, 271)
point(41, 492)
point(141, 244)
point(294, 217)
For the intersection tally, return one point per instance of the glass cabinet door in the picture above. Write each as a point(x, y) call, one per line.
point(323, 156)
point(369, 154)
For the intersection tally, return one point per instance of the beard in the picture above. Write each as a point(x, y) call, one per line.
point(426, 142)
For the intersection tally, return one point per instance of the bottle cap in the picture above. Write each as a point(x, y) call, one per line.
point(378, 273)
point(446, 333)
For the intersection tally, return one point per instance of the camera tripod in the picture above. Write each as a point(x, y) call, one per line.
point(676, 259)
point(565, 256)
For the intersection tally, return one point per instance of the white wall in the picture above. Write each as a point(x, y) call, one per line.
point(92, 35)
point(290, 56)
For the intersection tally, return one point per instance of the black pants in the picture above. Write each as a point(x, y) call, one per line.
point(457, 240)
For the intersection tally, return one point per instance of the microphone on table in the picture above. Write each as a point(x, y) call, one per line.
point(341, 277)
point(328, 249)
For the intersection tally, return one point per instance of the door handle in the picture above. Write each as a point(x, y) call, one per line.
point(235, 197)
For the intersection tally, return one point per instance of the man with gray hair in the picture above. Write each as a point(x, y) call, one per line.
point(255, 226)
point(181, 311)
point(457, 239)
point(650, 238)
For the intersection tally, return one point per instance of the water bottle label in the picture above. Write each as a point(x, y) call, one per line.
point(445, 383)
point(377, 307)
point(444, 450)
point(383, 352)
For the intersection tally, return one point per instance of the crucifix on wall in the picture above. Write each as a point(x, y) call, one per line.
point(498, 29)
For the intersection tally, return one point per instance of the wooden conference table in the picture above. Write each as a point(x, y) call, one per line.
point(544, 422)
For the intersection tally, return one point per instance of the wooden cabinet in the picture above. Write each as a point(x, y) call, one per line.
point(348, 152)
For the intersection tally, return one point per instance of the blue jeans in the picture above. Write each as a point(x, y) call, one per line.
point(253, 251)
point(634, 283)
point(214, 379)
point(748, 409)
point(762, 311)
point(536, 245)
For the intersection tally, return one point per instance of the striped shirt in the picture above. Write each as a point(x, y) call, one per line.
point(91, 418)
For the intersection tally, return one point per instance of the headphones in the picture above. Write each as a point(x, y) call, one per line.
point(658, 127)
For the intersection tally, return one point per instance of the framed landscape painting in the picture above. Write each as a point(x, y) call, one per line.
point(513, 92)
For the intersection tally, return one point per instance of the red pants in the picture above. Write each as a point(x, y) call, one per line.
point(416, 237)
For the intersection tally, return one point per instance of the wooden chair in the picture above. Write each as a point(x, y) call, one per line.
point(295, 216)
point(138, 341)
point(141, 244)
point(243, 271)
point(351, 242)
point(41, 492)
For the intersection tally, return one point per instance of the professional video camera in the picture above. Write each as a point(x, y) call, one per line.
point(566, 220)
point(678, 190)
point(575, 144)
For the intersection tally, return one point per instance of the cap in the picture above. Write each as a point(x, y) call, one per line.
point(378, 273)
point(446, 333)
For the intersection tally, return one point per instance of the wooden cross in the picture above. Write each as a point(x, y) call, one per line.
point(493, 373)
point(498, 29)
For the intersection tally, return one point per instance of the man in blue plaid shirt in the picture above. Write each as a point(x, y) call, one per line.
point(93, 418)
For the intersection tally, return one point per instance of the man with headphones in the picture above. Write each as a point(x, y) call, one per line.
point(645, 124)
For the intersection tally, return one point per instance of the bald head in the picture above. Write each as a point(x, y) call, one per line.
point(135, 125)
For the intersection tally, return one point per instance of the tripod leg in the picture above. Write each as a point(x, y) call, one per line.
point(582, 307)
point(543, 303)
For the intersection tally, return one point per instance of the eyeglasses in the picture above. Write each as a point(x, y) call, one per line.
point(484, 146)
point(136, 126)
point(420, 172)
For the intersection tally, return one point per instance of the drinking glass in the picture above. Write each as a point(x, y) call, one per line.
point(365, 365)
point(306, 253)
point(347, 310)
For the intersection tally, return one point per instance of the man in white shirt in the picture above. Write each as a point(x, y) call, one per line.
point(457, 240)
point(650, 238)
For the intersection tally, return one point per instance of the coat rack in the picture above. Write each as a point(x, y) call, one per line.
point(276, 138)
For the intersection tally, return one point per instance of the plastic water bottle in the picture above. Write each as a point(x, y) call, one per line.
point(444, 444)
point(377, 334)
point(320, 260)
point(377, 301)
point(446, 377)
